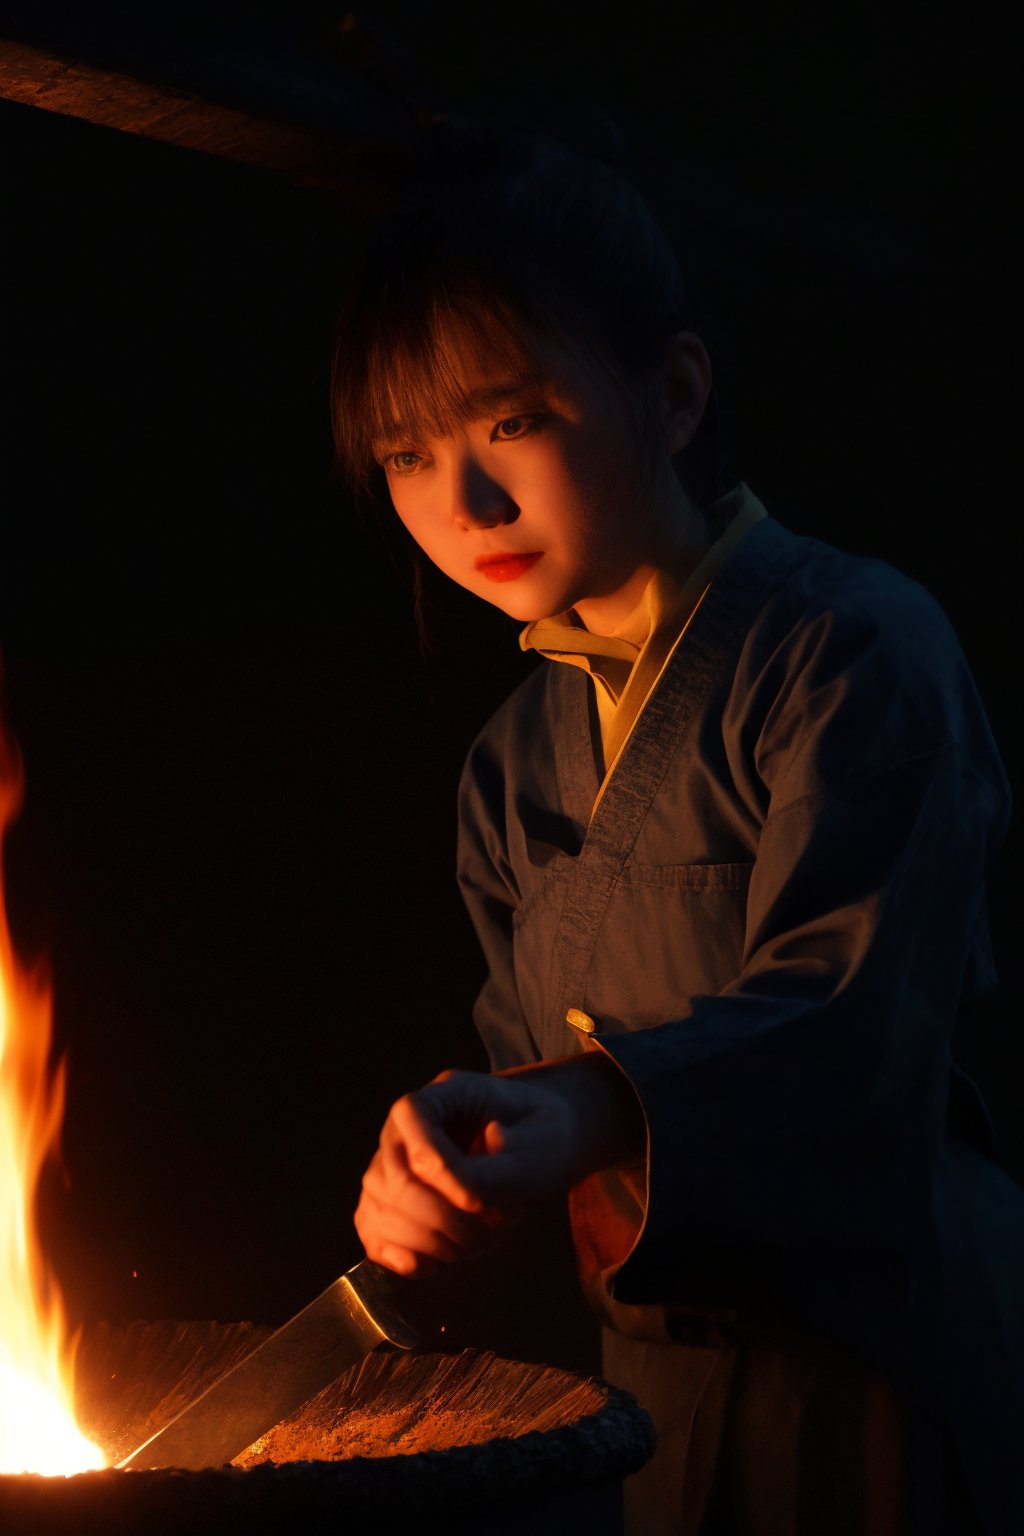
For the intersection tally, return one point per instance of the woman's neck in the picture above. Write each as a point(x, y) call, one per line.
point(680, 540)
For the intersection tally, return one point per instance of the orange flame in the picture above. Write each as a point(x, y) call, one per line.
point(38, 1432)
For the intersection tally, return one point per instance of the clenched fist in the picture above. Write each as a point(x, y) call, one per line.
point(457, 1158)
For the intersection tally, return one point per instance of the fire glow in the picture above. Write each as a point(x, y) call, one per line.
point(38, 1432)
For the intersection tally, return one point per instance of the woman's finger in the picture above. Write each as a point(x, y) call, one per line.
point(383, 1225)
point(403, 1261)
point(423, 1126)
point(423, 1209)
point(389, 1181)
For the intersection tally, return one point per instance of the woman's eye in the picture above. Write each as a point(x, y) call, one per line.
point(513, 426)
point(403, 462)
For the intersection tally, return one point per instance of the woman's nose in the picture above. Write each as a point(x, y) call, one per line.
point(478, 501)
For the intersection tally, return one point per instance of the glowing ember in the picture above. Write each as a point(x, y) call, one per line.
point(38, 1432)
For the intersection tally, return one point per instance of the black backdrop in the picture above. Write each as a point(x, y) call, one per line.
point(236, 847)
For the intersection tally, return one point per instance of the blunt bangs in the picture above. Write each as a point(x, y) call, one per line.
point(404, 363)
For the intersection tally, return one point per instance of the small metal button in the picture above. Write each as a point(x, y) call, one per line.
point(581, 1021)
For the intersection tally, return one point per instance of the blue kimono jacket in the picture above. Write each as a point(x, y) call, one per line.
point(772, 918)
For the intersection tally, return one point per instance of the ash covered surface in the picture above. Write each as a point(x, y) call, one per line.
point(399, 1405)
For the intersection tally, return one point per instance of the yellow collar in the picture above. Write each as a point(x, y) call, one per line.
point(627, 665)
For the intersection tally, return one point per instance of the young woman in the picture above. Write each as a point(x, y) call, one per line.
point(725, 851)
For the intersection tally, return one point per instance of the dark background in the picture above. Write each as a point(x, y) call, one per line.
point(236, 847)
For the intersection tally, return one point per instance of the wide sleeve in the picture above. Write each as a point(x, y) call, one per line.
point(800, 1111)
point(491, 895)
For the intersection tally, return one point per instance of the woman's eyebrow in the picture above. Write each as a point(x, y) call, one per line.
point(480, 402)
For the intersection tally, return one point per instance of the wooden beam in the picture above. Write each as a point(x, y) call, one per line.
point(37, 78)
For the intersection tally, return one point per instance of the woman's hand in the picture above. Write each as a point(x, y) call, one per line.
point(457, 1159)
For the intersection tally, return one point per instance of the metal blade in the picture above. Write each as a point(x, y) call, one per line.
point(345, 1322)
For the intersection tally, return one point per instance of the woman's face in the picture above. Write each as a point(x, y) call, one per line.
point(541, 501)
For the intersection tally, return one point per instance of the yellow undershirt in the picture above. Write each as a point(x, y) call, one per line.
point(625, 666)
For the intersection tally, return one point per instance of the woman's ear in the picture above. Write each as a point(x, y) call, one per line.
point(684, 386)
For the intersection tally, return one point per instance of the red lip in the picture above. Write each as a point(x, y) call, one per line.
point(507, 567)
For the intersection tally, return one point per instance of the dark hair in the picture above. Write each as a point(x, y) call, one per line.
point(494, 233)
